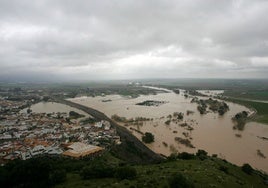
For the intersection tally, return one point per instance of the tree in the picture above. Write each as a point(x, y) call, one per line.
point(247, 169)
point(202, 154)
point(126, 172)
point(148, 137)
point(186, 156)
point(29, 111)
point(168, 122)
point(97, 170)
point(75, 115)
point(57, 176)
point(178, 180)
point(29, 173)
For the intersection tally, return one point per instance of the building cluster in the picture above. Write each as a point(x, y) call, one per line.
point(11, 107)
point(25, 134)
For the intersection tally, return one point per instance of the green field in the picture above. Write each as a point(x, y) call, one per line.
point(261, 108)
point(247, 94)
point(241, 91)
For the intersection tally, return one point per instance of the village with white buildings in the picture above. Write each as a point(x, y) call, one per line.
point(25, 134)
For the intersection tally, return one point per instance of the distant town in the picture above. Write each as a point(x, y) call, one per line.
point(26, 134)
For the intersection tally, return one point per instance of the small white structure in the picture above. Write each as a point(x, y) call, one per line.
point(103, 124)
point(107, 125)
point(5, 136)
point(98, 124)
point(53, 150)
point(38, 150)
point(26, 155)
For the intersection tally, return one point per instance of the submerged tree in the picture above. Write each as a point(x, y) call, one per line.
point(148, 137)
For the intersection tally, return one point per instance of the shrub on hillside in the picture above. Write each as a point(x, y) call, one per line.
point(57, 176)
point(35, 172)
point(247, 169)
point(172, 157)
point(96, 171)
point(126, 172)
point(202, 154)
point(186, 156)
point(224, 169)
point(178, 180)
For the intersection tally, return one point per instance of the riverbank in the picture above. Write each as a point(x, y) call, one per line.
point(260, 109)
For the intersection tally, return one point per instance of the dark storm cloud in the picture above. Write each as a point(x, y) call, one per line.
point(133, 39)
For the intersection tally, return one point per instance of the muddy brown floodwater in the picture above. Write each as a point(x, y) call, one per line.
point(50, 107)
point(211, 132)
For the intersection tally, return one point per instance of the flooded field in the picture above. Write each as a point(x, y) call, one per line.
point(53, 107)
point(211, 132)
point(211, 92)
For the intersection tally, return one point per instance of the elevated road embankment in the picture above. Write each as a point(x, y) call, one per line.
point(131, 149)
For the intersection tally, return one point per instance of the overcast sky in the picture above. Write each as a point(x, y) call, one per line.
point(121, 39)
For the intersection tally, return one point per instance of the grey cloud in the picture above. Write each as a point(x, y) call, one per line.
point(133, 39)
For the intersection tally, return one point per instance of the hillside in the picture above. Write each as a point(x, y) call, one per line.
point(183, 170)
point(197, 171)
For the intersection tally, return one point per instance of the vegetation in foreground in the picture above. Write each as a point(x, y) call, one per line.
point(182, 170)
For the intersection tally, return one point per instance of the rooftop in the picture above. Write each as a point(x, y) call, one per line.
point(79, 149)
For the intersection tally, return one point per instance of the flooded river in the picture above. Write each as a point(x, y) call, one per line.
point(53, 107)
point(211, 132)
